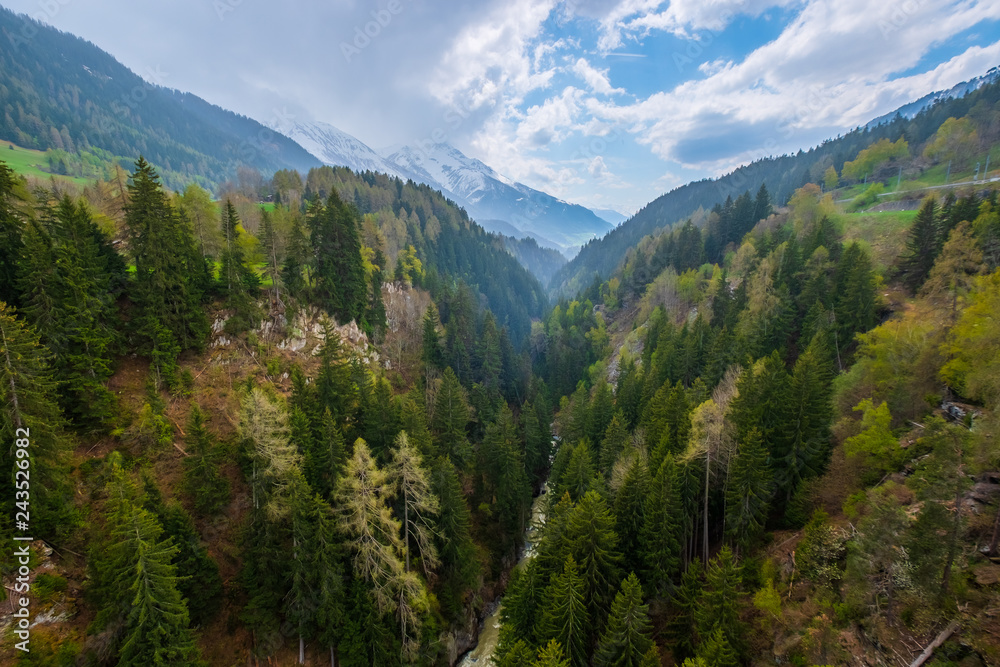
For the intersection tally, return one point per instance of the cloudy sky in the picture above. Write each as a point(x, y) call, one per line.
point(601, 102)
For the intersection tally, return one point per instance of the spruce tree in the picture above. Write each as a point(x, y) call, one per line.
point(565, 618)
point(239, 282)
point(450, 418)
point(460, 566)
point(626, 640)
point(162, 246)
point(719, 606)
point(591, 539)
point(629, 510)
point(433, 353)
point(748, 492)
point(29, 414)
point(12, 195)
point(67, 295)
point(145, 583)
point(551, 655)
point(335, 388)
point(717, 651)
point(921, 246)
point(340, 287)
point(202, 477)
point(613, 443)
point(295, 265)
point(660, 538)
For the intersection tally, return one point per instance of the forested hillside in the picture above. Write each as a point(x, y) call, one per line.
point(783, 175)
point(790, 453)
point(63, 93)
point(295, 485)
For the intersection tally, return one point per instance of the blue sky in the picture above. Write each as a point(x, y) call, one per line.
point(608, 103)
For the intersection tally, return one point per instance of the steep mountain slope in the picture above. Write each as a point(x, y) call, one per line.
point(782, 175)
point(60, 91)
point(487, 194)
point(337, 148)
point(609, 215)
point(957, 91)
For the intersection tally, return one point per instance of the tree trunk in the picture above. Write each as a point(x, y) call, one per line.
point(333, 657)
point(953, 542)
point(302, 650)
point(708, 460)
point(996, 534)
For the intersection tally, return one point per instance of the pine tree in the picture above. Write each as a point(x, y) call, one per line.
point(565, 618)
point(145, 583)
point(748, 492)
point(626, 640)
point(202, 477)
point(921, 246)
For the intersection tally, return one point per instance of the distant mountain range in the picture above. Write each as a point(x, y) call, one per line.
point(62, 92)
point(496, 202)
point(957, 91)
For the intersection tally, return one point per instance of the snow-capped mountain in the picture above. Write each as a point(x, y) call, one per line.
point(489, 196)
point(338, 149)
point(959, 90)
point(493, 200)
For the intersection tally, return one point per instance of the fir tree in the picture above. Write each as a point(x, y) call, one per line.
point(717, 651)
point(626, 640)
point(551, 655)
point(613, 444)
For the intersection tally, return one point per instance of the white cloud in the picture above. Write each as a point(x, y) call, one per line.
point(832, 67)
point(596, 80)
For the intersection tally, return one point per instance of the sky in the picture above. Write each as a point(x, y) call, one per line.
point(606, 103)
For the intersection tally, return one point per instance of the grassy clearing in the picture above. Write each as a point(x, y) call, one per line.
point(884, 233)
point(32, 163)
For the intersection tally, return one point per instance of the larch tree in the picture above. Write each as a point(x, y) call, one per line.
point(420, 505)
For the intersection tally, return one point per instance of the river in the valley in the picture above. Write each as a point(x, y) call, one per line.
point(489, 633)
